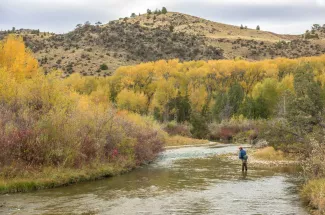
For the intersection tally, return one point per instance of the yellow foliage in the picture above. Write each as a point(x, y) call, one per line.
point(16, 59)
point(132, 101)
point(198, 98)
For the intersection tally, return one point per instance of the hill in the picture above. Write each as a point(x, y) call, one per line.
point(101, 49)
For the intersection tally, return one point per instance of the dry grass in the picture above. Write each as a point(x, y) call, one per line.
point(269, 154)
point(314, 194)
point(57, 177)
point(183, 141)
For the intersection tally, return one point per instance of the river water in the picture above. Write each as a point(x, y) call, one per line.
point(192, 180)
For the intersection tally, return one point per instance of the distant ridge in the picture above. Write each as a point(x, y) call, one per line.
point(100, 49)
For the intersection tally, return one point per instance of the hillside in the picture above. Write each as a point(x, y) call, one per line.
point(101, 49)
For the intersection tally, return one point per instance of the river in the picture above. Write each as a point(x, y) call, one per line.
point(193, 180)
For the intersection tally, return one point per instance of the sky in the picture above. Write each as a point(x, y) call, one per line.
point(61, 16)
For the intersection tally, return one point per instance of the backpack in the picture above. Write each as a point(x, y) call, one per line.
point(245, 157)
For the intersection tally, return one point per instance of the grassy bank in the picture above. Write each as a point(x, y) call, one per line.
point(57, 177)
point(183, 141)
point(268, 156)
point(313, 193)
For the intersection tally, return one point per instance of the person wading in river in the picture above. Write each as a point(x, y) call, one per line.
point(243, 156)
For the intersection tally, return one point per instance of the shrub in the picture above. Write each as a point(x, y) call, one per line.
point(173, 128)
point(103, 67)
point(236, 130)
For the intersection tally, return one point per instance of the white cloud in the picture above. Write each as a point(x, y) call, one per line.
point(321, 2)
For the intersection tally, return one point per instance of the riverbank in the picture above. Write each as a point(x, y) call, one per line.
point(313, 193)
point(57, 177)
point(179, 141)
point(51, 177)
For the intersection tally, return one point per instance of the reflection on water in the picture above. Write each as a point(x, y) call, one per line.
point(182, 181)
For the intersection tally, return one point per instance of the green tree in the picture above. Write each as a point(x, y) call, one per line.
point(268, 90)
point(220, 102)
point(254, 108)
point(199, 126)
point(149, 11)
point(306, 108)
point(235, 97)
point(258, 28)
point(164, 10)
point(133, 15)
point(182, 108)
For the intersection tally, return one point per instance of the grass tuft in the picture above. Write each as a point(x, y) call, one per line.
point(270, 154)
point(313, 193)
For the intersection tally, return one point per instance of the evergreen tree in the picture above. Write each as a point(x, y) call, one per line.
point(258, 28)
point(164, 10)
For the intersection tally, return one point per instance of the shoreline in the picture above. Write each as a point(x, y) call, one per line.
point(51, 177)
point(54, 178)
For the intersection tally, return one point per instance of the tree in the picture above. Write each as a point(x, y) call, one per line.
point(149, 11)
point(78, 26)
point(221, 110)
point(199, 126)
point(133, 15)
point(16, 59)
point(241, 26)
point(98, 23)
point(306, 108)
point(132, 101)
point(316, 27)
point(235, 97)
point(255, 108)
point(268, 90)
point(164, 10)
point(258, 28)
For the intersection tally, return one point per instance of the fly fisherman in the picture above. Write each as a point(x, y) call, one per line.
point(243, 156)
